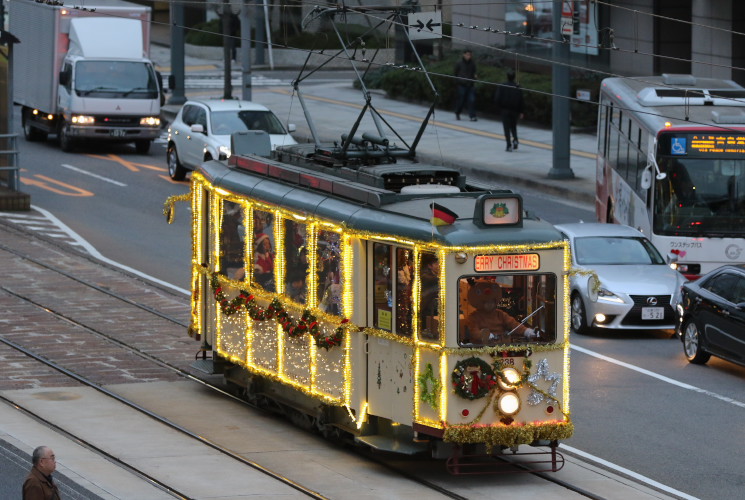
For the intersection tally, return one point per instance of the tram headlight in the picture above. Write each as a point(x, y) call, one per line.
point(512, 377)
point(508, 403)
point(461, 257)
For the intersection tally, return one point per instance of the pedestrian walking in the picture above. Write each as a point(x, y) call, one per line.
point(39, 485)
point(465, 72)
point(509, 100)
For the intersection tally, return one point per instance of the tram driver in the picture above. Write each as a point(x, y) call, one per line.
point(486, 323)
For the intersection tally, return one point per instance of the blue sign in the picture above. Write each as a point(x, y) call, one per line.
point(678, 146)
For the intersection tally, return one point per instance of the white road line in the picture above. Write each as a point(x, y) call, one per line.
point(95, 253)
point(663, 378)
point(630, 473)
point(81, 171)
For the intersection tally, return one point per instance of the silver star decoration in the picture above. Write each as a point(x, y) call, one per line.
point(542, 372)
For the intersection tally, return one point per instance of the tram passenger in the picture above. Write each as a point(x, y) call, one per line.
point(487, 324)
point(296, 288)
point(39, 485)
point(264, 261)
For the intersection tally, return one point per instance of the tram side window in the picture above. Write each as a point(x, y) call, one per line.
point(296, 259)
point(232, 241)
point(383, 291)
point(263, 250)
point(507, 309)
point(429, 312)
point(328, 258)
point(404, 278)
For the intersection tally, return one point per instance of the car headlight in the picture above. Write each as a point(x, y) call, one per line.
point(83, 120)
point(508, 403)
point(608, 296)
point(224, 152)
point(512, 377)
point(150, 121)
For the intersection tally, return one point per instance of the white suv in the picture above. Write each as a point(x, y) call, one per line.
point(201, 131)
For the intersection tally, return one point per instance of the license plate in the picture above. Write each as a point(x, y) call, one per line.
point(118, 133)
point(653, 312)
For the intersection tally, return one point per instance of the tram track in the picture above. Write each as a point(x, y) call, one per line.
point(80, 324)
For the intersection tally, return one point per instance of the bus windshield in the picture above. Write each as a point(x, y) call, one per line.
point(700, 197)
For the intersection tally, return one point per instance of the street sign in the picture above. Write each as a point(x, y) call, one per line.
point(425, 25)
point(567, 17)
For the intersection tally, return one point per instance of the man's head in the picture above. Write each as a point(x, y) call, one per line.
point(511, 75)
point(467, 54)
point(43, 459)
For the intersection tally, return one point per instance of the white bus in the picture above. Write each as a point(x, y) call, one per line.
point(671, 163)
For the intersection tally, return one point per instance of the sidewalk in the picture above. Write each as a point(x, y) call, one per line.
point(477, 148)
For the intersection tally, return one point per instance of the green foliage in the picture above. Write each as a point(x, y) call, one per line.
point(210, 34)
point(537, 89)
point(207, 34)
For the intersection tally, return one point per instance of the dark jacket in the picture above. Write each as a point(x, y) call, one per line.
point(509, 97)
point(465, 69)
point(37, 486)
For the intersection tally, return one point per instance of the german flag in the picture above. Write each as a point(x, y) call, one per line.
point(442, 216)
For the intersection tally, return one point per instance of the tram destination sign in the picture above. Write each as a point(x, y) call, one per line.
point(510, 262)
point(705, 144)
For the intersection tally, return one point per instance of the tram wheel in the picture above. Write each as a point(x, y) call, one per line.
point(692, 347)
point(579, 317)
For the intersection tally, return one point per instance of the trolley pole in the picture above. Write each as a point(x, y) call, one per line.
point(561, 122)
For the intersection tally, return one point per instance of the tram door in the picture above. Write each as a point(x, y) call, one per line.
point(390, 376)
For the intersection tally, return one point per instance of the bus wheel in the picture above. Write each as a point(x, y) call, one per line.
point(692, 344)
point(579, 318)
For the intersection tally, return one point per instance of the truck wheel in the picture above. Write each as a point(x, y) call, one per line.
point(175, 169)
point(65, 141)
point(142, 147)
point(30, 132)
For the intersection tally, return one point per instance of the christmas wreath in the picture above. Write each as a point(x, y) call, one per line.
point(473, 378)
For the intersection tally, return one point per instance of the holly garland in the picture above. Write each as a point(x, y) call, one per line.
point(307, 323)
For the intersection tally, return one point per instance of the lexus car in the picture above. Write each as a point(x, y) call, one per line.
point(619, 279)
point(202, 128)
point(712, 316)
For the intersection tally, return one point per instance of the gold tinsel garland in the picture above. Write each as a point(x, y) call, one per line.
point(169, 206)
point(508, 435)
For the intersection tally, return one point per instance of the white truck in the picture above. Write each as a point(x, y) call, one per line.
point(83, 72)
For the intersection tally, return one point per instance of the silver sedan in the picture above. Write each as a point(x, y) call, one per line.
point(619, 279)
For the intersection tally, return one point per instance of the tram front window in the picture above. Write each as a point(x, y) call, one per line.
point(700, 197)
point(507, 309)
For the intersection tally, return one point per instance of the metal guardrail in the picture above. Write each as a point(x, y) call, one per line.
point(11, 181)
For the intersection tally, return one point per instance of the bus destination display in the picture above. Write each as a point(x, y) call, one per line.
point(707, 144)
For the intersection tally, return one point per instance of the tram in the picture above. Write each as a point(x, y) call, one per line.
point(371, 296)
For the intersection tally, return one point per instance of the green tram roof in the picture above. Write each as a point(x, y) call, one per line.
point(364, 204)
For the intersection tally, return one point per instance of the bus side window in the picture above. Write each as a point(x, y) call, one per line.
point(232, 241)
point(429, 312)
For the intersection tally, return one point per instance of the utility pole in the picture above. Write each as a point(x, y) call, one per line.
point(245, 52)
point(560, 122)
point(176, 82)
point(227, 45)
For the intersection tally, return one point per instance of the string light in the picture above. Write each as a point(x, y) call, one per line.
point(262, 347)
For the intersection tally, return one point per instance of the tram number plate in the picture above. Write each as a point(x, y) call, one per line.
point(117, 132)
point(653, 312)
